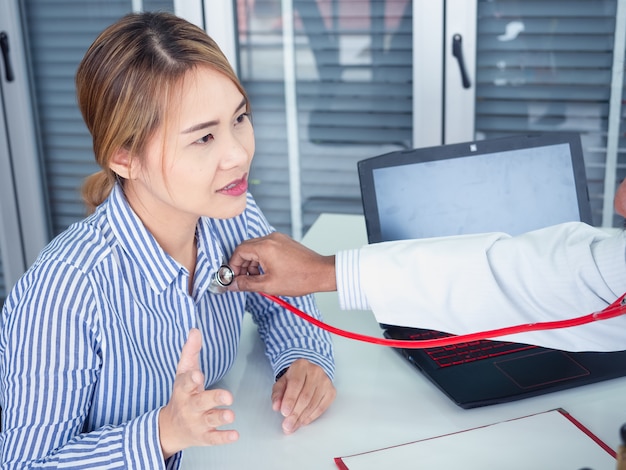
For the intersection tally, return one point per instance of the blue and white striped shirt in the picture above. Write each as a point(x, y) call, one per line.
point(91, 335)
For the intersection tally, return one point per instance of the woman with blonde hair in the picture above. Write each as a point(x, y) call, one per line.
point(109, 342)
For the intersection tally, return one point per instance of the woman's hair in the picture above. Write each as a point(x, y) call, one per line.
point(124, 81)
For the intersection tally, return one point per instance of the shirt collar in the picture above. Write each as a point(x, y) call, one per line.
point(157, 267)
point(211, 254)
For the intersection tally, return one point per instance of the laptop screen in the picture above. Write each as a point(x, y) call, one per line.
point(513, 185)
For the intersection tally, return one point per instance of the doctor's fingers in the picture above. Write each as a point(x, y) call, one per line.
point(242, 266)
point(250, 254)
point(273, 250)
point(273, 282)
point(251, 283)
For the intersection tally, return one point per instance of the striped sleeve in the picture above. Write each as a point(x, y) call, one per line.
point(46, 387)
point(348, 274)
point(286, 336)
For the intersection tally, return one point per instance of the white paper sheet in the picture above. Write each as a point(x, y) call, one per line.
point(543, 441)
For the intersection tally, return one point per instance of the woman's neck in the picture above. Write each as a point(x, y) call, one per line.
point(174, 232)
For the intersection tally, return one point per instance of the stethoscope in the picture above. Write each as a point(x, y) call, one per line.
point(225, 276)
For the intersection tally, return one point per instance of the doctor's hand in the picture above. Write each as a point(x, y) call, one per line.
point(193, 414)
point(278, 265)
point(302, 394)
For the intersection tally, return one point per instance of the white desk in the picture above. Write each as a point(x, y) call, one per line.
point(381, 400)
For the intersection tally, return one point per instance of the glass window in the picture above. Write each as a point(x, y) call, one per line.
point(543, 66)
point(353, 82)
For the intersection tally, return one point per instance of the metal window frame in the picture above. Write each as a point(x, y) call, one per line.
point(443, 111)
point(23, 216)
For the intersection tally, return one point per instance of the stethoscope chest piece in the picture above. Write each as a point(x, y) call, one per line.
point(223, 278)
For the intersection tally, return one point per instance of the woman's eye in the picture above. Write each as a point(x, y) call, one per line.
point(204, 139)
point(242, 117)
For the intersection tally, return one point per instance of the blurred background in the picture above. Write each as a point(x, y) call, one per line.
point(331, 82)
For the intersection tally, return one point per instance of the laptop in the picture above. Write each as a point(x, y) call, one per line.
point(513, 185)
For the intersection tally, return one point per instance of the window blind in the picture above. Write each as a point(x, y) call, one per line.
point(59, 33)
point(353, 89)
point(545, 65)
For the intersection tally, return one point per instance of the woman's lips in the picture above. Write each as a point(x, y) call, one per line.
point(235, 188)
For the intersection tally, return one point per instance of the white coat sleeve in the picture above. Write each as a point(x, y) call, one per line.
point(482, 282)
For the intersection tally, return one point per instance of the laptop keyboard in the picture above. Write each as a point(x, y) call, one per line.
point(471, 351)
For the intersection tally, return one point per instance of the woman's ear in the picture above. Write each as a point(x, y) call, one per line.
point(121, 163)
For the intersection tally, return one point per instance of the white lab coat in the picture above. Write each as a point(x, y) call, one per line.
point(474, 283)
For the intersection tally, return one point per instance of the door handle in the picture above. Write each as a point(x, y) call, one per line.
point(4, 45)
point(457, 51)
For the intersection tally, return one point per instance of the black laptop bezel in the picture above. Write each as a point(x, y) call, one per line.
point(367, 167)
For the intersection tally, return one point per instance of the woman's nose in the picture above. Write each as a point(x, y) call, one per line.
point(238, 149)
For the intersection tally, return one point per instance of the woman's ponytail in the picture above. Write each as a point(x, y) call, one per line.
point(97, 188)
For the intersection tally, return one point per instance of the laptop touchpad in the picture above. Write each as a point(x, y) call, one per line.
point(541, 368)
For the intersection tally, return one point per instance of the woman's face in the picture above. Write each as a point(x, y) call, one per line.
point(198, 162)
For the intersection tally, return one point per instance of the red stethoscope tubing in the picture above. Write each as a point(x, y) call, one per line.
point(616, 309)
